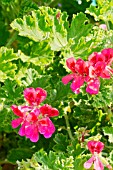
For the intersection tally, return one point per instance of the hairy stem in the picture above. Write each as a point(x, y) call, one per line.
point(68, 126)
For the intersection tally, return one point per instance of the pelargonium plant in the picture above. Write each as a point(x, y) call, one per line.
point(33, 118)
point(95, 148)
point(98, 66)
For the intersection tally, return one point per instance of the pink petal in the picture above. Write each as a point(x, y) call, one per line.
point(41, 95)
point(95, 146)
point(31, 132)
point(100, 57)
point(89, 163)
point(46, 127)
point(25, 109)
point(16, 110)
point(80, 66)
point(105, 74)
point(99, 68)
point(76, 84)
point(35, 136)
point(93, 58)
point(35, 96)
point(96, 57)
point(54, 112)
point(108, 53)
point(92, 72)
point(15, 123)
point(33, 115)
point(71, 64)
point(98, 164)
point(93, 86)
point(22, 130)
point(30, 95)
point(47, 110)
point(67, 79)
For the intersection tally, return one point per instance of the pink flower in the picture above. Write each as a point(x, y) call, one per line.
point(82, 72)
point(79, 74)
point(98, 65)
point(34, 119)
point(35, 96)
point(95, 148)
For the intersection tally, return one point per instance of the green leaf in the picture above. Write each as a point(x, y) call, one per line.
point(7, 55)
point(7, 71)
point(111, 157)
point(61, 142)
point(82, 48)
point(19, 154)
point(29, 26)
point(79, 162)
point(41, 54)
point(10, 90)
point(5, 119)
point(43, 24)
point(103, 11)
point(79, 30)
point(54, 161)
point(74, 148)
point(93, 11)
point(80, 27)
point(7, 68)
point(109, 132)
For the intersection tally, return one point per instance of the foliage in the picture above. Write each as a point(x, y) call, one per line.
point(36, 39)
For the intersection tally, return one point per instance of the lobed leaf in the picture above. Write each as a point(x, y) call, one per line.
point(109, 132)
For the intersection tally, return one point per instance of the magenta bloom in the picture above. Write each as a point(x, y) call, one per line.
point(34, 119)
point(35, 96)
point(80, 70)
point(98, 65)
point(95, 148)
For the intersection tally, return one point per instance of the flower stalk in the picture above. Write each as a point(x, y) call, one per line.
point(68, 126)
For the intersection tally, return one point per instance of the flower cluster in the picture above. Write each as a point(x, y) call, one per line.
point(95, 148)
point(98, 65)
point(34, 119)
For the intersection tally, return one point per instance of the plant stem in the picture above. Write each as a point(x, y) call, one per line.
point(12, 39)
point(68, 126)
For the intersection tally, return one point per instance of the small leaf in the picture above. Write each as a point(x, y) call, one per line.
point(19, 154)
point(61, 142)
point(109, 132)
point(80, 27)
